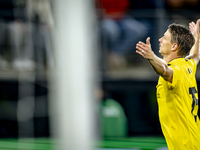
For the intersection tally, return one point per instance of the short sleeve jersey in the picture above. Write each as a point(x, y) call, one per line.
point(178, 106)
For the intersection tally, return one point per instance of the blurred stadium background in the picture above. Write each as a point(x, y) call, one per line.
point(121, 92)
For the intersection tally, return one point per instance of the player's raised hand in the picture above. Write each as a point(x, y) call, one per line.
point(194, 28)
point(144, 49)
point(194, 52)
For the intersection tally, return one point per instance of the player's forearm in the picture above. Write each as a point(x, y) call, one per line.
point(195, 49)
point(159, 65)
point(194, 52)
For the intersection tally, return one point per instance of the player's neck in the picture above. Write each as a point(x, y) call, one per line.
point(168, 58)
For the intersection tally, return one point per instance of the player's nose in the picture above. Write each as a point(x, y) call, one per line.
point(160, 40)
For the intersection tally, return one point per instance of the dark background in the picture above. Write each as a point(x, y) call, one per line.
point(136, 94)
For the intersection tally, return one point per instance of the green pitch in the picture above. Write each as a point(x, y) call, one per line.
point(26, 144)
point(134, 143)
point(141, 143)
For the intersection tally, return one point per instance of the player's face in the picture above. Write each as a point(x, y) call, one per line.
point(165, 44)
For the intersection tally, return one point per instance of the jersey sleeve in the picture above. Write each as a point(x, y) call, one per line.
point(176, 76)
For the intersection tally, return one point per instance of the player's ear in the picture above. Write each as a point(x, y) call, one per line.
point(174, 47)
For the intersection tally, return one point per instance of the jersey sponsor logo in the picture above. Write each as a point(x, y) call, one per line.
point(189, 70)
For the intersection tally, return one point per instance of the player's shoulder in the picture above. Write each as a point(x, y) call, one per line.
point(182, 61)
point(191, 62)
point(176, 63)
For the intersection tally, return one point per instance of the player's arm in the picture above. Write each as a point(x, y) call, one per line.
point(158, 64)
point(194, 52)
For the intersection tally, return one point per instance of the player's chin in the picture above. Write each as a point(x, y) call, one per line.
point(161, 53)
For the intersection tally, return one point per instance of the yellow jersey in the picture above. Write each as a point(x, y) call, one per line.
point(178, 106)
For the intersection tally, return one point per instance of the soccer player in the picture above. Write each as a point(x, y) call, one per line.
point(177, 88)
